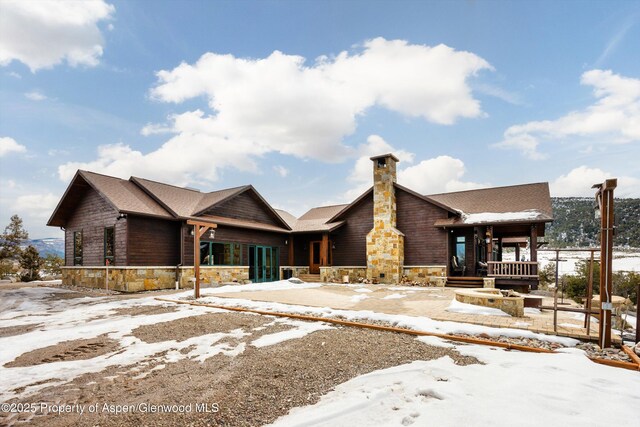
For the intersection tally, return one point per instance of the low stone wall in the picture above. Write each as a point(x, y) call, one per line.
point(487, 297)
point(136, 279)
point(336, 273)
point(296, 270)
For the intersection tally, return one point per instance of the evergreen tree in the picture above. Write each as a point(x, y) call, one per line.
point(31, 262)
point(13, 235)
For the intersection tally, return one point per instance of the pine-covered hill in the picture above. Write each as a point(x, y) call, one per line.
point(574, 223)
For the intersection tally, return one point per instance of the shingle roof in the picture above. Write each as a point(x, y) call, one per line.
point(179, 201)
point(124, 195)
point(516, 203)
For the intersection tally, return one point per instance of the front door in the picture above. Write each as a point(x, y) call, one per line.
point(314, 257)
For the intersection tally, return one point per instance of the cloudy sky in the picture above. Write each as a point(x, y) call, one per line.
point(295, 96)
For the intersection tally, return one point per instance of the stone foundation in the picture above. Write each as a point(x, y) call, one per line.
point(296, 270)
point(336, 274)
point(422, 273)
point(136, 279)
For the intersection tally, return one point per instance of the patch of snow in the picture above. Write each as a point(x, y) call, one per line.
point(436, 342)
point(363, 290)
point(394, 296)
point(531, 310)
point(280, 285)
point(460, 307)
point(522, 324)
point(300, 330)
point(358, 298)
point(565, 385)
point(483, 217)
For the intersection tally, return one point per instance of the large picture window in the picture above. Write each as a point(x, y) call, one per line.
point(215, 253)
point(77, 248)
point(109, 245)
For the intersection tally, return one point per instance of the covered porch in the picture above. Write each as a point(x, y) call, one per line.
point(480, 251)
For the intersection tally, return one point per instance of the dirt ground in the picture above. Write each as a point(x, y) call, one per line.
point(251, 388)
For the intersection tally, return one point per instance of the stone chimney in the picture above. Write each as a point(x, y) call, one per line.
point(385, 244)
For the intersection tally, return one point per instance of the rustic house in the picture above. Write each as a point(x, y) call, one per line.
point(136, 234)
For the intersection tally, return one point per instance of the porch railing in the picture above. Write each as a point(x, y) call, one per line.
point(512, 269)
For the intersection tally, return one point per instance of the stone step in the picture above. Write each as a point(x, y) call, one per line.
point(309, 278)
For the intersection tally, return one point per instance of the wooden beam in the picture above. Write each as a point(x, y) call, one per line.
point(533, 244)
point(291, 253)
point(324, 250)
point(605, 194)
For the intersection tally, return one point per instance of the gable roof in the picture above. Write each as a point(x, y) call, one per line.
point(515, 203)
point(314, 220)
point(124, 196)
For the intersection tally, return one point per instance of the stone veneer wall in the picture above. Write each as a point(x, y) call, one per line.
point(135, 279)
point(418, 273)
point(385, 243)
point(328, 274)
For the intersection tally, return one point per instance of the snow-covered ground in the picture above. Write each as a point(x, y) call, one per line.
point(510, 388)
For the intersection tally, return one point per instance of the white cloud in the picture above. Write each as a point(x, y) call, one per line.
point(614, 118)
point(14, 75)
point(34, 95)
point(578, 182)
point(281, 170)
point(279, 104)
point(437, 175)
point(9, 145)
point(43, 33)
point(37, 206)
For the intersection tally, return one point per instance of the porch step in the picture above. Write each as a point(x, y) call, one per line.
point(464, 282)
point(309, 278)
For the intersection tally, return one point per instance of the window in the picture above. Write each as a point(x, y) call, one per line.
point(460, 249)
point(220, 253)
point(109, 245)
point(77, 248)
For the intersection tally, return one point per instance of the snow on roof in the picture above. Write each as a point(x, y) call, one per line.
point(492, 217)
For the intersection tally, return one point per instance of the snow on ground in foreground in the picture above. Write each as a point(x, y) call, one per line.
point(460, 307)
point(511, 388)
point(62, 320)
point(300, 330)
point(402, 321)
point(394, 296)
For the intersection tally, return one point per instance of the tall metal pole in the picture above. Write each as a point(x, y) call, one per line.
point(605, 198)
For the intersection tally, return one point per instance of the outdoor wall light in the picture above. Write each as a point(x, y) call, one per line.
point(487, 240)
point(212, 234)
point(286, 242)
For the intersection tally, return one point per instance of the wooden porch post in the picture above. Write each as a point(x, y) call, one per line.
point(291, 259)
point(199, 228)
point(489, 235)
point(517, 251)
point(534, 246)
point(500, 249)
point(324, 250)
point(604, 197)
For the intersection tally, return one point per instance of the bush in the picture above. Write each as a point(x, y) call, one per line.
point(31, 262)
point(576, 285)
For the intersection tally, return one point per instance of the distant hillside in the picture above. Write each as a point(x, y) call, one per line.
point(48, 246)
point(575, 225)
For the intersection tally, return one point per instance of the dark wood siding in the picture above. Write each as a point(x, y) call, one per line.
point(239, 235)
point(91, 215)
point(245, 206)
point(351, 239)
point(153, 241)
point(301, 247)
point(424, 244)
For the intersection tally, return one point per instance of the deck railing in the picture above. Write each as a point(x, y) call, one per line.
point(512, 269)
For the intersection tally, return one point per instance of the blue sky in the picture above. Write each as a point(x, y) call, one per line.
point(294, 96)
